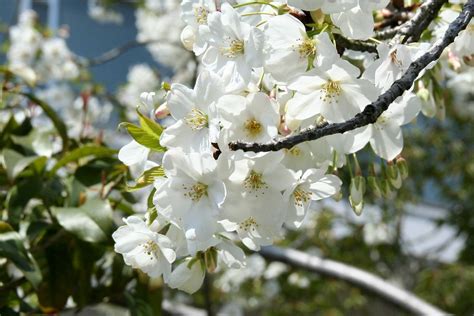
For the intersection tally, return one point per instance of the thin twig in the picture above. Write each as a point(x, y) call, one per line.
point(361, 46)
point(372, 111)
point(354, 276)
point(113, 53)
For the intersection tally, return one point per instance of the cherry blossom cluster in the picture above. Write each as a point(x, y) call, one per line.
point(264, 75)
point(37, 58)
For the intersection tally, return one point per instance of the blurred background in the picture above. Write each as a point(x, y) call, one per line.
point(419, 236)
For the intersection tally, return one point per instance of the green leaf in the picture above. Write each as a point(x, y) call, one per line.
point(7, 129)
point(15, 163)
point(11, 247)
point(147, 178)
point(5, 227)
point(82, 152)
point(59, 278)
point(143, 137)
point(19, 196)
point(92, 222)
point(57, 122)
point(149, 125)
point(99, 170)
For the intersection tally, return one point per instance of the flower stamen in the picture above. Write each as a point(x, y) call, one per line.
point(200, 13)
point(196, 192)
point(332, 89)
point(197, 119)
point(301, 196)
point(253, 128)
point(235, 48)
point(254, 181)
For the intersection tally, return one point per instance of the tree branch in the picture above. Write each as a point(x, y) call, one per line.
point(354, 276)
point(372, 111)
point(412, 29)
point(361, 46)
point(113, 53)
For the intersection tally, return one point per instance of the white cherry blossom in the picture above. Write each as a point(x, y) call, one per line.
point(143, 248)
point(194, 194)
point(195, 114)
point(336, 94)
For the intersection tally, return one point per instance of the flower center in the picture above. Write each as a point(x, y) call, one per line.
point(236, 47)
point(196, 192)
point(196, 119)
point(394, 58)
point(332, 89)
point(254, 181)
point(307, 48)
point(301, 196)
point(253, 128)
point(382, 120)
point(248, 224)
point(295, 151)
point(200, 13)
point(150, 248)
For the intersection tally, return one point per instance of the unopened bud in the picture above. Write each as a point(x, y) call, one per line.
point(394, 176)
point(402, 167)
point(387, 189)
point(357, 208)
point(375, 186)
point(162, 111)
point(357, 191)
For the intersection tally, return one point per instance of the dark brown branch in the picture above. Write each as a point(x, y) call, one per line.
point(412, 29)
point(361, 46)
point(354, 276)
point(372, 111)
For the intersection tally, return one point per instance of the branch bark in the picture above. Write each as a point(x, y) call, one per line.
point(426, 13)
point(361, 46)
point(372, 111)
point(354, 276)
point(412, 29)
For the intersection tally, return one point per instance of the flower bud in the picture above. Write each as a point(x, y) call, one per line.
point(357, 190)
point(162, 111)
point(375, 186)
point(394, 176)
point(387, 189)
point(402, 167)
point(188, 37)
